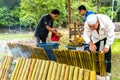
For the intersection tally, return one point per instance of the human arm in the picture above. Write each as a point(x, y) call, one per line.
point(110, 35)
point(86, 37)
point(53, 31)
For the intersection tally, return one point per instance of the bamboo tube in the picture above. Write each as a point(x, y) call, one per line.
point(24, 69)
point(50, 70)
point(15, 69)
point(92, 75)
point(102, 64)
point(38, 69)
point(70, 57)
point(58, 72)
point(8, 67)
point(63, 56)
point(18, 69)
point(86, 75)
point(81, 74)
point(42, 70)
point(33, 63)
point(76, 72)
point(21, 69)
point(67, 56)
point(63, 72)
point(75, 58)
point(67, 73)
point(27, 70)
point(34, 71)
point(71, 73)
point(79, 60)
point(54, 71)
point(2, 66)
point(46, 70)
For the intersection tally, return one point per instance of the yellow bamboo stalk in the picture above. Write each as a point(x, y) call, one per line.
point(21, 69)
point(2, 66)
point(63, 72)
point(34, 71)
point(92, 75)
point(86, 75)
point(18, 69)
point(71, 73)
point(26, 68)
point(4, 69)
point(50, 70)
point(66, 77)
point(76, 72)
point(42, 70)
point(59, 69)
point(38, 69)
point(15, 69)
point(46, 70)
point(8, 67)
point(54, 71)
point(81, 74)
point(31, 68)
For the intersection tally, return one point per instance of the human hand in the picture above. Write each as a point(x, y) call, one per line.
point(105, 50)
point(92, 47)
point(59, 34)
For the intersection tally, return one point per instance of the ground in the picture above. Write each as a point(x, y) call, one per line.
point(28, 38)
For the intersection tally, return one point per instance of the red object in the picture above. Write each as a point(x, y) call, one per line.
point(54, 37)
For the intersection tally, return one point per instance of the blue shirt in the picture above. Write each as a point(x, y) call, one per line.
point(87, 14)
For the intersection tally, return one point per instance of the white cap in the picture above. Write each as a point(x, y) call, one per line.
point(92, 19)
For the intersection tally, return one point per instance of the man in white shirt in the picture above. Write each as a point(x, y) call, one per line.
point(100, 28)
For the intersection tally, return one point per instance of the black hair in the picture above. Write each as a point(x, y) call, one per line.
point(81, 7)
point(55, 11)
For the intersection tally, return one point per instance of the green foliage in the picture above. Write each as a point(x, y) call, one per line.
point(9, 17)
point(32, 10)
point(108, 11)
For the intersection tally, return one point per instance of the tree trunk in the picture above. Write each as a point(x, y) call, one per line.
point(69, 12)
point(98, 5)
point(9, 29)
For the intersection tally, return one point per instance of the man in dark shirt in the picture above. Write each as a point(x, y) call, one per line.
point(45, 25)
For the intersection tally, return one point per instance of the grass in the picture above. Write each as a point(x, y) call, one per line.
point(116, 46)
point(15, 36)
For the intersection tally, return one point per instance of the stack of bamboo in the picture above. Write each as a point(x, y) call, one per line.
point(5, 67)
point(35, 69)
point(92, 61)
point(27, 51)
